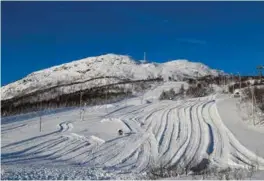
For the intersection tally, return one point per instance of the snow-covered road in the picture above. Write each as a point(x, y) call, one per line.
point(249, 136)
point(180, 133)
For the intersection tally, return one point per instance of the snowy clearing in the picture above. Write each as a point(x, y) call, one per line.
point(181, 133)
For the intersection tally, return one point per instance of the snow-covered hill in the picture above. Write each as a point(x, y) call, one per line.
point(174, 133)
point(106, 65)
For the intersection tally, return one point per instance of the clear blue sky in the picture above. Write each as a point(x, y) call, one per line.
point(223, 35)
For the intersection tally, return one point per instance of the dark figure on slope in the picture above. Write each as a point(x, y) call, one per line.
point(120, 132)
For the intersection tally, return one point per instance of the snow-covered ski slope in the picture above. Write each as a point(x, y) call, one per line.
point(178, 133)
point(95, 69)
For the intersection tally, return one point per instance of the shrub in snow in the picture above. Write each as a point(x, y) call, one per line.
point(235, 86)
point(171, 94)
point(141, 86)
point(56, 173)
point(199, 90)
point(257, 93)
point(159, 171)
point(181, 91)
point(167, 95)
point(203, 165)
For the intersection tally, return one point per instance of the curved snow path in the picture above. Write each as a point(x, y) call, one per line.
point(174, 133)
point(65, 126)
point(253, 139)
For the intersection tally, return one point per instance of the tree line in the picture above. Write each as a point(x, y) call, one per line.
point(91, 96)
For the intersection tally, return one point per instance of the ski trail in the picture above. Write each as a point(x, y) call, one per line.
point(174, 133)
point(65, 126)
point(221, 143)
point(185, 137)
point(194, 142)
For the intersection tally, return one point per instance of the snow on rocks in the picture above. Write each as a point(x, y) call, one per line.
point(113, 65)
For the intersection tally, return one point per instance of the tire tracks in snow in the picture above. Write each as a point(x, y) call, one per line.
point(176, 133)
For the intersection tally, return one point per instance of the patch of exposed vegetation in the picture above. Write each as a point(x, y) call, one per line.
point(171, 94)
point(199, 90)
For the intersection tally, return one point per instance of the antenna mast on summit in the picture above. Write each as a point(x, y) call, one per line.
point(144, 56)
point(260, 68)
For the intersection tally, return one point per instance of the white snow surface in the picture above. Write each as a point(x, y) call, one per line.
point(172, 132)
point(154, 93)
point(234, 121)
point(105, 65)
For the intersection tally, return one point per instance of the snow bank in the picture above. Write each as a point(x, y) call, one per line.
point(111, 120)
point(95, 139)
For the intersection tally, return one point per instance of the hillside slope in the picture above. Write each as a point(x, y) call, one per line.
point(181, 133)
point(112, 65)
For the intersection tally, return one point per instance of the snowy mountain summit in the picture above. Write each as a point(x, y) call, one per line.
point(110, 65)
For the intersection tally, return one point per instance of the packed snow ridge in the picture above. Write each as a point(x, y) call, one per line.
point(105, 65)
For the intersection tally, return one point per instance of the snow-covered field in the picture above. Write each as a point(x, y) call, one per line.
point(181, 133)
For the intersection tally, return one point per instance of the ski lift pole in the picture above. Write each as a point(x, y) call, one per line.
point(40, 119)
point(106, 100)
point(225, 82)
point(239, 86)
point(81, 108)
point(252, 101)
point(106, 92)
point(126, 96)
point(233, 82)
point(40, 123)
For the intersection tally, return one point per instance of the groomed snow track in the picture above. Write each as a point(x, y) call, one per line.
point(180, 133)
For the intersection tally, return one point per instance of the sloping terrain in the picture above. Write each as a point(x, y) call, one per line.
point(128, 137)
point(174, 133)
point(233, 120)
point(92, 71)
